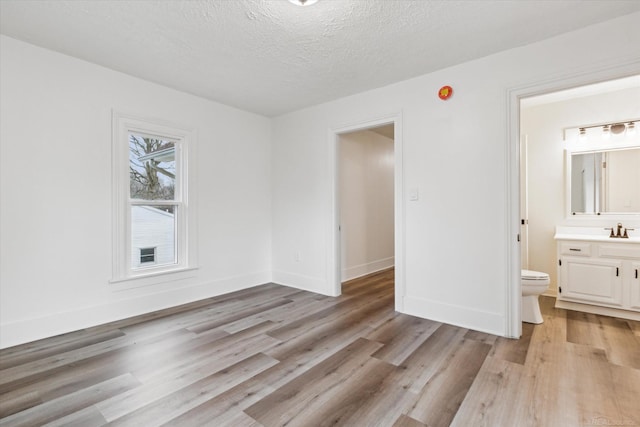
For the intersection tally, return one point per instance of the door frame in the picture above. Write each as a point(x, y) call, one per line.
point(513, 294)
point(334, 260)
point(524, 202)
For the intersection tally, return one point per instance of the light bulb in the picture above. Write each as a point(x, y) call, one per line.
point(583, 135)
point(617, 128)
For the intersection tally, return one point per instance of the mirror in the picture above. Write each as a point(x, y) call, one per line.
point(605, 182)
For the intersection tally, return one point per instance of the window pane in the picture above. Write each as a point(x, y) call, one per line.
point(147, 255)
point(153, 241)
point(152, 168)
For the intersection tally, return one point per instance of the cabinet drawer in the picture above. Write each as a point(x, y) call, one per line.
point(575, 248)
point(620, 250)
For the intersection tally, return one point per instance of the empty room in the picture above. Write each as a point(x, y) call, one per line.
point(319, 212)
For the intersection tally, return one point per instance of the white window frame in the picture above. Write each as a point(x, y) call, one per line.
point(185, 238)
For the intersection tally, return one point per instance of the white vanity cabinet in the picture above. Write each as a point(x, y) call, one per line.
point(593, 281)
point(599, 276)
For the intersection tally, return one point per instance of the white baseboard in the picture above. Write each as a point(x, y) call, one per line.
point(368, 268)
point(492, 323)
point(552, 291)
point(596, 309)
point(306, 283)
point(23, 331)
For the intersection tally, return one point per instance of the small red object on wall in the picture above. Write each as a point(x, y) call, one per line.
point(445, 92)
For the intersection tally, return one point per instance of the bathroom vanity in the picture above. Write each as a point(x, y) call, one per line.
point(597, 273)
point(599, 268)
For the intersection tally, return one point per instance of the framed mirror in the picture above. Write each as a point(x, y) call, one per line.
point(606, 181)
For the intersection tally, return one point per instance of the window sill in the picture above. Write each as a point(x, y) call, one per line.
point(152, 278)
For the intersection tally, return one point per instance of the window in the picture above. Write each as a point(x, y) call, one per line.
point(154, 203)
point(147, 255)
point(152, 216)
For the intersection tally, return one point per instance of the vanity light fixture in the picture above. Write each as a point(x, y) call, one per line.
point(303, 2)
point(607, 129)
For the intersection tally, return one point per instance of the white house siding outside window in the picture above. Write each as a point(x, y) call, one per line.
point(151, 213)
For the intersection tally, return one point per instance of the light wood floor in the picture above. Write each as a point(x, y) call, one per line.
point(273, 356)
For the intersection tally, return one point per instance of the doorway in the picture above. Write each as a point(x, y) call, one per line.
point(389, 128)
point(513, 328)
point(549, 125)
point(366, 195)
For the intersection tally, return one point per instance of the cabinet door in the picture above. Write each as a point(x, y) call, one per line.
point(634, 283)
point(591, 280)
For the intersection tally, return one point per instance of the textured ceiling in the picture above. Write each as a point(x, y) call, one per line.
point(272, 57)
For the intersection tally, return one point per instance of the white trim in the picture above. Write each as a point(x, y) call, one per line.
point(300, 281)
point(334, 270)
point(185, 155)
point(368, 268)
point(513, 293)
point(156, 276)
point(492, 323)
point(622, 68)
point(595, 309)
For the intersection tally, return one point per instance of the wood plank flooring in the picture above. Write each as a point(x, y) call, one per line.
point(276, 356)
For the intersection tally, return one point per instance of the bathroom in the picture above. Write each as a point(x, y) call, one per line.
point(550, 138)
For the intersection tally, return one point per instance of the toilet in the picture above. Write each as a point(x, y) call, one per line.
point(533, 284)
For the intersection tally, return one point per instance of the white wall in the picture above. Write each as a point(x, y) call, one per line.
point(544, 125)
point(366, 203)
point(56, 194)
point(454, 153)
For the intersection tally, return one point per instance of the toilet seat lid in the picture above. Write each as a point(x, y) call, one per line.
point(534, 275)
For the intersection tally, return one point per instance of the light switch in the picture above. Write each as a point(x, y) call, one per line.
point(413, 194)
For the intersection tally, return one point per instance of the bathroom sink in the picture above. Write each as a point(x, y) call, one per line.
point(593, 234)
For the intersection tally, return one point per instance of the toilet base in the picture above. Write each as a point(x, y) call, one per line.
point(531, 309)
